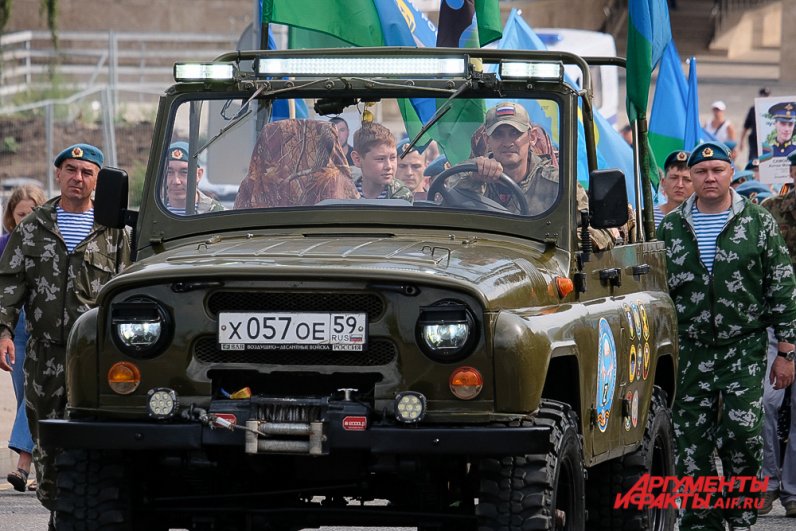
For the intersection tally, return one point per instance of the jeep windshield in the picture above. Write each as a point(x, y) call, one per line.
point(288, 138)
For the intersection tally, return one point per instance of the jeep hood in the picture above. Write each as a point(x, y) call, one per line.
point(489, 269)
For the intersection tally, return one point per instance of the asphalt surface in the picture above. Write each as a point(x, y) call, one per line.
point(23, 512)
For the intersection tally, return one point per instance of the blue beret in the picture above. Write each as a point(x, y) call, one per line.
point(753, 164)
point(436, 166)
point(179, 151)
point(709, 151)
point(746, 175)
point(85, 152)
point(792, 158)
point(405, 142)
point(754, 190)
point(676, 157)
point(784, 111)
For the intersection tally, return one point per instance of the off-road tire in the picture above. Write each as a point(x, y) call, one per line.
point(528, 492)
point(93, 492)
point(655, 456)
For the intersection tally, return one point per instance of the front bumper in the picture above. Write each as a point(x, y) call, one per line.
point(458, 440)
point(313, 426)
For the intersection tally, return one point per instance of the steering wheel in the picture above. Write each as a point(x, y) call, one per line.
point(472, 199)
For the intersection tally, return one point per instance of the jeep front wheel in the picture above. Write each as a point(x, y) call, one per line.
point(94, 492)
point(544, 491)
point(655, 456)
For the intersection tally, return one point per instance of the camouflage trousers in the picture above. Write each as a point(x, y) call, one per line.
point(718, 411)
point(45, 398)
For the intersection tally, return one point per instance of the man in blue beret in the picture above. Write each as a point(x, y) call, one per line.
point(730, 278)
point(754, 191)
point(754, 166)
point(782, 482)
point(411, 168)
point(55, 263)
point(784, 115)
point(676, 183)
point(436, 166)
point(740, 177)
point(176, 184)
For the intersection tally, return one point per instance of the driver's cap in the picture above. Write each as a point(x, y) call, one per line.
point(507, 113)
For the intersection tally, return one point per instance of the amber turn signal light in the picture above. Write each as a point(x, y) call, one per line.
point(466, 383)
point(564, 286)
point(124, 377)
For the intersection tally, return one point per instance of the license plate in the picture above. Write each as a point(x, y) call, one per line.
point(288, 330)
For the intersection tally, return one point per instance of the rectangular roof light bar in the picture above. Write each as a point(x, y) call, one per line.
point(203, 72)
point(363, 66)
point(538, 71)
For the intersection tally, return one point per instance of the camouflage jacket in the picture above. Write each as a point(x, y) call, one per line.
point(207, 204)
point(55, 286)
point(783, 208)
point(540, 185)
point(395, 190)
point(752, 284)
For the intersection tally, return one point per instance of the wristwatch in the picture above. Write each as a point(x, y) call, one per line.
point(790, 355)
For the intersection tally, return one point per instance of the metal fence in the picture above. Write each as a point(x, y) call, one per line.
point(97, 87)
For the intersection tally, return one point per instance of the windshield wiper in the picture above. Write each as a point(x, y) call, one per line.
point(441, 110)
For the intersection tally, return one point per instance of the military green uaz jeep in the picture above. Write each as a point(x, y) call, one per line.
point(463, 357)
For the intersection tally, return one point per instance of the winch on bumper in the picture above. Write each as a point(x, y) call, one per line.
point(312, 426)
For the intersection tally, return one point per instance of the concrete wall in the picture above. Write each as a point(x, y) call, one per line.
point(579, 14)
point(786, 70)
point(755, 28)
point(232, 16)
point(211, 16)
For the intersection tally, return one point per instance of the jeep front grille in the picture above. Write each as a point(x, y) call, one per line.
point(377, 352)
point(297, 301)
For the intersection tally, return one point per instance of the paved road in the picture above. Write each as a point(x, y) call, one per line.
point(22, 512)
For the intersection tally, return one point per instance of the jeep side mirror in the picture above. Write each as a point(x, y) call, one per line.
point(607, 199)
point(110, 198)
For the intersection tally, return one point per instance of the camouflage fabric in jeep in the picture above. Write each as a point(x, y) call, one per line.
point(296, 163)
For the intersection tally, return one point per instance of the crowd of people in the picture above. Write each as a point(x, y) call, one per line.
point(730, 265)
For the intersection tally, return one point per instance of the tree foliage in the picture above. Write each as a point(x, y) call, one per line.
point(47, 8)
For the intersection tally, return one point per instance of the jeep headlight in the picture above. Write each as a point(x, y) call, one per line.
point(139, 335)
point(140, 327)
point(446, 331)
point(446, 336)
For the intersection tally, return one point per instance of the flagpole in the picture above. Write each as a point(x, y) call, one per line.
point(646, 182)
point(637, 179)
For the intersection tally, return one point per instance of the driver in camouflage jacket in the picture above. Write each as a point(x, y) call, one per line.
point(509, 136)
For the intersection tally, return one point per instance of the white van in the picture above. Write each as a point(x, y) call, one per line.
point(605, 79)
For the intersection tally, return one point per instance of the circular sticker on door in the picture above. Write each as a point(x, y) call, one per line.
point(606, 374)
point(636, 319)
point(631, 326)
point(633, 361)
point(634, 409)
point(645, 325)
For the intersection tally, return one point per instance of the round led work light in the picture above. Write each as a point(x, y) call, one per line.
point(410, 407)
point(161, 403)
